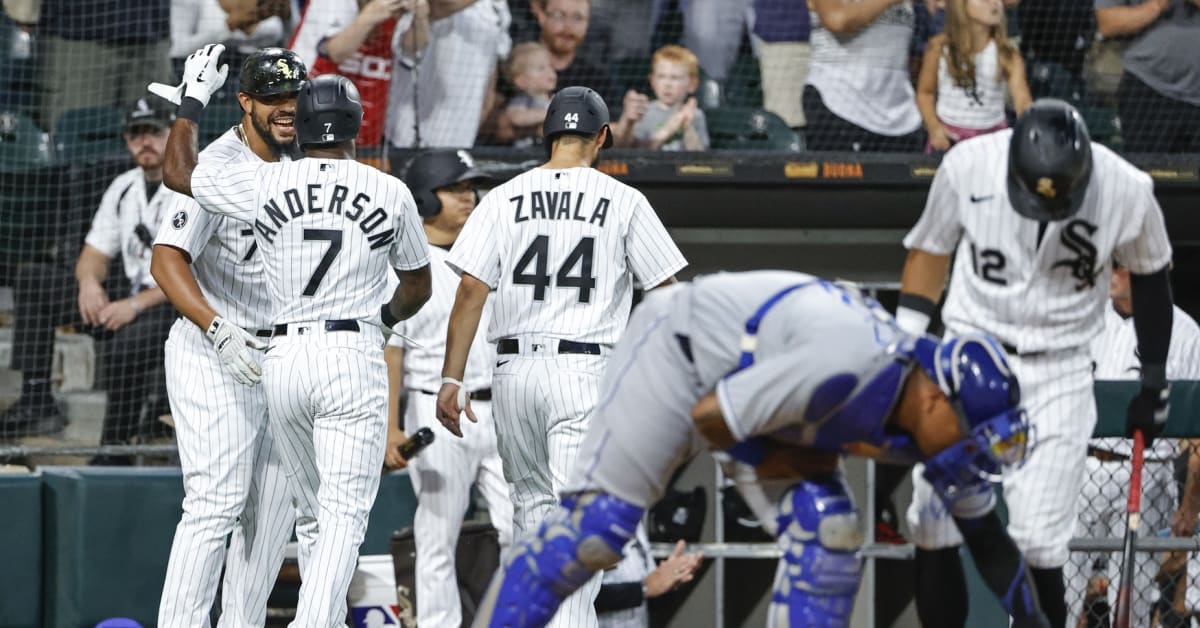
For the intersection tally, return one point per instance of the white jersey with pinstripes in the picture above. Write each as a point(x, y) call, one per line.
point(1116, 357)
point(562, 249)
point(224, 254)
point(424, 335)
point(330, 231)
point(1036, 293)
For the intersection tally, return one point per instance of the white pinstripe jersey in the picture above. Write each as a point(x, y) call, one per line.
point(329, 230)
point(224, 255)
point(123, 208)
point(427, 328)
point(1116, 356)
point(562, 249)
point(1035, 297)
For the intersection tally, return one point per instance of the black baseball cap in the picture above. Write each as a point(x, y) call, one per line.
point(150, 111)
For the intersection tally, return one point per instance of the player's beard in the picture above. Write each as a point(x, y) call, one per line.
point(263, 129)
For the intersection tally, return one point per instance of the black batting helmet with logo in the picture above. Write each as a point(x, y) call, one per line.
point(576, 110)
point(328, 111)
point(1049, 161)
point(434, 169)
point(271, 72)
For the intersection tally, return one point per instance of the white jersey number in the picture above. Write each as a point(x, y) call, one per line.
point(538, 254)
point(334, 238)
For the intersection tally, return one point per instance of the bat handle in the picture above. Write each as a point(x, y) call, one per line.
point(1135, 475)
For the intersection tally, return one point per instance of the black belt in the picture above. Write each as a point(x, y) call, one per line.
point(264, 333)
point(483, 394)
point(1011, 350)
point(342, 325)
point(507, 346)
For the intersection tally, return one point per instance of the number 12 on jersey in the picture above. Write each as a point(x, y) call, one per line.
point(537, 256)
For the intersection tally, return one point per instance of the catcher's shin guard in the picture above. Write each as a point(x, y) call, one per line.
point(584, 536)
point(820, 535)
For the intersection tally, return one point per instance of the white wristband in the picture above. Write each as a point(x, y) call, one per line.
point(462, 390)
point(912, 321)
point(451, 380)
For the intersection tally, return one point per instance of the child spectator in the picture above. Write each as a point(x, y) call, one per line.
point(673, 121)
point(964, 74)
point(531, 73)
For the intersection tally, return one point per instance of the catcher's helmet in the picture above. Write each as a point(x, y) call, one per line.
point(1049, 161)
point(974, 374)
point(328, 110)
point(578, 111)
point(271, 72)
point(435, 169)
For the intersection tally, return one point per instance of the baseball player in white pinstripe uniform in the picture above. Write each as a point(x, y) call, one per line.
point(562, 246)
point(232, 479)
point(443, 185)
point(1102, 500)
point(1036, 215)
point(327, 252)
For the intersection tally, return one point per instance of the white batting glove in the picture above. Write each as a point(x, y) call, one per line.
point(203, 75)
point(233, 345)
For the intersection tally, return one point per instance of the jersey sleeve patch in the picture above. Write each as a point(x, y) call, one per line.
point(180, 219)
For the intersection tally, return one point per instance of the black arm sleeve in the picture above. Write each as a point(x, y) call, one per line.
point(1003, 569)
point(619, 596)
point(1153, 312)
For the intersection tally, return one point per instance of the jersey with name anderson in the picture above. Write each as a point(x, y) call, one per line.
point(562, 249)
point(330, 231)
point(225, 257)
point(1036, 286)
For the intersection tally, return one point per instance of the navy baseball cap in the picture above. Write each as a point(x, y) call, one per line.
point(150, 111)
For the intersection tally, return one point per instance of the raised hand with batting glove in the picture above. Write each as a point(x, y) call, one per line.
point(203, 75)
point(233, 345)
point(1148, 409)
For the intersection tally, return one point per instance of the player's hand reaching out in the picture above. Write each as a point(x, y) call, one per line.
point(678, 569)
point(203, 75)
point(391, 454)
point(92, 299)
point(234, 346)
point(452, 401)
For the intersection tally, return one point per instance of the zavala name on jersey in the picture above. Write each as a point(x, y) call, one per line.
point(562, 205)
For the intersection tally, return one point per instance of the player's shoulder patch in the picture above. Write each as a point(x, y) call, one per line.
point(180, 219)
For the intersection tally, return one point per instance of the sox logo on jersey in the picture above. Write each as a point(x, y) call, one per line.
point(226, 453)
point(562, 249)
point(331, 233)
point(1039, 288)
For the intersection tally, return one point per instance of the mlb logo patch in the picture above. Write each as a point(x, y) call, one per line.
point(375, 616)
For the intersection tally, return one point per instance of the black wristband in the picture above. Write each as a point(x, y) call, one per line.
point(619, 596)
point(917, 303)
point(385, 315)
point(190, 108)
point(1154, 376)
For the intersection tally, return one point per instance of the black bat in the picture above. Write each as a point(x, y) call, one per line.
point(415, 443)
point(1132, 520)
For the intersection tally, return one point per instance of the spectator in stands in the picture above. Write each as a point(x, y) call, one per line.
point(132, 328)
point(781, 30)
point(967, 72)
point(101, 52)
point(242, 25)
point(619, 29)
point(443, 74)
point(1159, 95)
point(673, 121)
point(354, 39)
point(1055, 38)
point(858, 96)
point(714, 30)
point(531, 73)
point(627, 586)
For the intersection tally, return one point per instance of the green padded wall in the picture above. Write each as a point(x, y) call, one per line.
point(21, 550)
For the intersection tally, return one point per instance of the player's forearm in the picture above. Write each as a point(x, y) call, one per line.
point(92, 266)
point(174, 277)
point(180, 160)
point(1153, 314)
point(1003, 568)
point(1118, 21)
point(464, 323)
point(924, 274)
point(393, 357)
point(414, 290)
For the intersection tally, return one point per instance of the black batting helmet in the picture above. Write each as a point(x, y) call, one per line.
point(271, 72)
point(1049, 161)
point(578, 111)
point(328, 110)
point(435, 169)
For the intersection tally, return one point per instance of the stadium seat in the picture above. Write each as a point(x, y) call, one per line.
point(749, 128)
point(218, 117)
point(743, 86)
point(89, 134)
point(23, 146)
